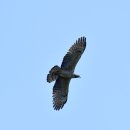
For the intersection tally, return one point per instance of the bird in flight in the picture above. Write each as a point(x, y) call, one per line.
point(62, 75)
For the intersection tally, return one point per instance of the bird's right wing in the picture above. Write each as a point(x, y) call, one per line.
point(73, 55)
point(60, 92)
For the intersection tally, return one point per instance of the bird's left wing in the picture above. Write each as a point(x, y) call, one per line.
point(60, 92)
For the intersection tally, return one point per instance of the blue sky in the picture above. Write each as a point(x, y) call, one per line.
point(35, 35)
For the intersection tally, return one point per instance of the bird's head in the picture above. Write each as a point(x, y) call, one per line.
point(76, 76)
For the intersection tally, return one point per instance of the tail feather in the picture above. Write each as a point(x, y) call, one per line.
point(53, 74)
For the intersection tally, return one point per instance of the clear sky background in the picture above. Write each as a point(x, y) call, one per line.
point(35, 35)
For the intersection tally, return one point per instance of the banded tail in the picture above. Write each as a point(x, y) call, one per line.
point(53, 73)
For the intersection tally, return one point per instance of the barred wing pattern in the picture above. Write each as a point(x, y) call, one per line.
point(73, 55)
point(60, 93)
point(60, 89)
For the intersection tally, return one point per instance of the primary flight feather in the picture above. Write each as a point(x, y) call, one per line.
point(63, 74)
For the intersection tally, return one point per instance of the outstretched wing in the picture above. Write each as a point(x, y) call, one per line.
point(60, 92)
point(73, 55)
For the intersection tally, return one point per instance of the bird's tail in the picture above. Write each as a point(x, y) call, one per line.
point(53, 74)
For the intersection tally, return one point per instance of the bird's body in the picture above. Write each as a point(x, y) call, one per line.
point(65, 73)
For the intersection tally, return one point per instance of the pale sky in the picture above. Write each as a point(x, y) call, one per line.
point(35, 35)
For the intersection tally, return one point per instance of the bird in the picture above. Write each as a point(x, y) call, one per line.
point(62, 75)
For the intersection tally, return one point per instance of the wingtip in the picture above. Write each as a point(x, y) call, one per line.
point(57, 108)
point(83, 40)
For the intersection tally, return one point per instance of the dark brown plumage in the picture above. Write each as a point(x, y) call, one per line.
point(64, 74)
